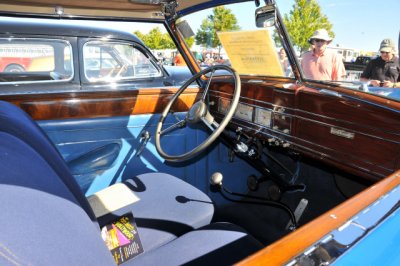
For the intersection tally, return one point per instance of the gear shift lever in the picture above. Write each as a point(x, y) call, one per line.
point(216, 179)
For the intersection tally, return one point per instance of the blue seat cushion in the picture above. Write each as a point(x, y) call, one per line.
point(168, 207)
point(214, 244)
point(186, 204)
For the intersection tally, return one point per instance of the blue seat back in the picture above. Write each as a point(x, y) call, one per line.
point(41, 205)
point(17, 123)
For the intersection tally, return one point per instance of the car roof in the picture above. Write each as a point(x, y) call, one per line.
point(99, 8)
point(14, 26)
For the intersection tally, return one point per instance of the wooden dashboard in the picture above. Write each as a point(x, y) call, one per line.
point(357, 134)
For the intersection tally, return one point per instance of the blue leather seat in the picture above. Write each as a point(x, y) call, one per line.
point(48, 221)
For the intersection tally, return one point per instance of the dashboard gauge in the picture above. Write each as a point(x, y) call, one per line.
point(223, 105)
point(263, 117)
point(244, 112)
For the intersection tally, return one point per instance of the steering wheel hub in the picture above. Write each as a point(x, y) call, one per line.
point(196, 112)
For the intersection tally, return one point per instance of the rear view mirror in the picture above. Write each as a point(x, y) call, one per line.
point(265, 16)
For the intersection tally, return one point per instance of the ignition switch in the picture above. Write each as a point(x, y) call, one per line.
point(255, 149)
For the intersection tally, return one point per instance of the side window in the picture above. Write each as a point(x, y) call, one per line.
point(35, 60)
point(111, 61)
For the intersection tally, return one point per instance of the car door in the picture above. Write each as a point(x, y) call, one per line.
point(112, 118)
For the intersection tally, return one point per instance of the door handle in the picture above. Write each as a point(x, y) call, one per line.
point(145, 137)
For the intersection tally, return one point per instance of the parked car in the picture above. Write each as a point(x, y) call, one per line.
point(18, 57)
point(45, 54)
point(359, 64)
point(14, 64)
point(108, 158)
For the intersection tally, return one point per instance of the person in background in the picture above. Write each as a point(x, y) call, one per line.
point(320, 63)
point(178, 60)
point(209, 60)
point(220, 60)
point(199, 57)
point(383, 71)
point(283, 59)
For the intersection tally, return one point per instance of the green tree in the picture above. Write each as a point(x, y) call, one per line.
point(303, 20)
point(155, 39)
point(190, 41)
point(139, 34)
point(221, 19)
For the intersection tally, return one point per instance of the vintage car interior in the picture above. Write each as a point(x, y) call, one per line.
point(245, 163)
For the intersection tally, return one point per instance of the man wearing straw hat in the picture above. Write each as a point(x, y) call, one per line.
point(320, 63)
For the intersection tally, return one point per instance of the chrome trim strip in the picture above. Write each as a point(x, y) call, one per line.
point(314, 121)
point(299, 111)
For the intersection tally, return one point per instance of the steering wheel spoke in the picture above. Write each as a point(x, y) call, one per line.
point(179, 124)
point(209, 121)
point(212, 126)
point(203, 97)
point(199, 112)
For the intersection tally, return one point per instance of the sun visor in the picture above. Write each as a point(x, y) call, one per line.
point(72, 8)
point(111, 9)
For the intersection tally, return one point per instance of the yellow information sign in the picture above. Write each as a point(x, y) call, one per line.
point(251, 52)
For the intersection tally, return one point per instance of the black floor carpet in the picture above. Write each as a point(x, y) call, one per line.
point(267, 223)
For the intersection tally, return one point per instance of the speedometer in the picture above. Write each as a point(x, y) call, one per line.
point(244, 112)
point(263, 117)
point(224, 105)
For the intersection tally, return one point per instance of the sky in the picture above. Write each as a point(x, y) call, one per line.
point(360, 24)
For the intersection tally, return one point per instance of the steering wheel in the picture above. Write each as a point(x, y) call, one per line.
point(199, 112)
point(121, 71)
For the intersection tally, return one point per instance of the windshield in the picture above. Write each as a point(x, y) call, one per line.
point(333, 42)
point(228, 35)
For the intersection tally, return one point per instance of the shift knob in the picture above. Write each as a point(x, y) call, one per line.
point(216, 179)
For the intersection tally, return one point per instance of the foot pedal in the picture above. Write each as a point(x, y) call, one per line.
point(252, 182)
point(298, 212)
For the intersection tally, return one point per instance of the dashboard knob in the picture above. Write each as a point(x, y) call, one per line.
point(286, 145)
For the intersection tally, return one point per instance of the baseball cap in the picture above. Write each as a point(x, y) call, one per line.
point(387, 45)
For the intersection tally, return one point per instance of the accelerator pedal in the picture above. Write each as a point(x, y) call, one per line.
point(298, 212)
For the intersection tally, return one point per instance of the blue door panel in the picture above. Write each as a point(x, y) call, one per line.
point(75, 138)
point(78, 137)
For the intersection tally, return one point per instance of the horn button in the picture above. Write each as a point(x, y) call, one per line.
point(196, 112)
